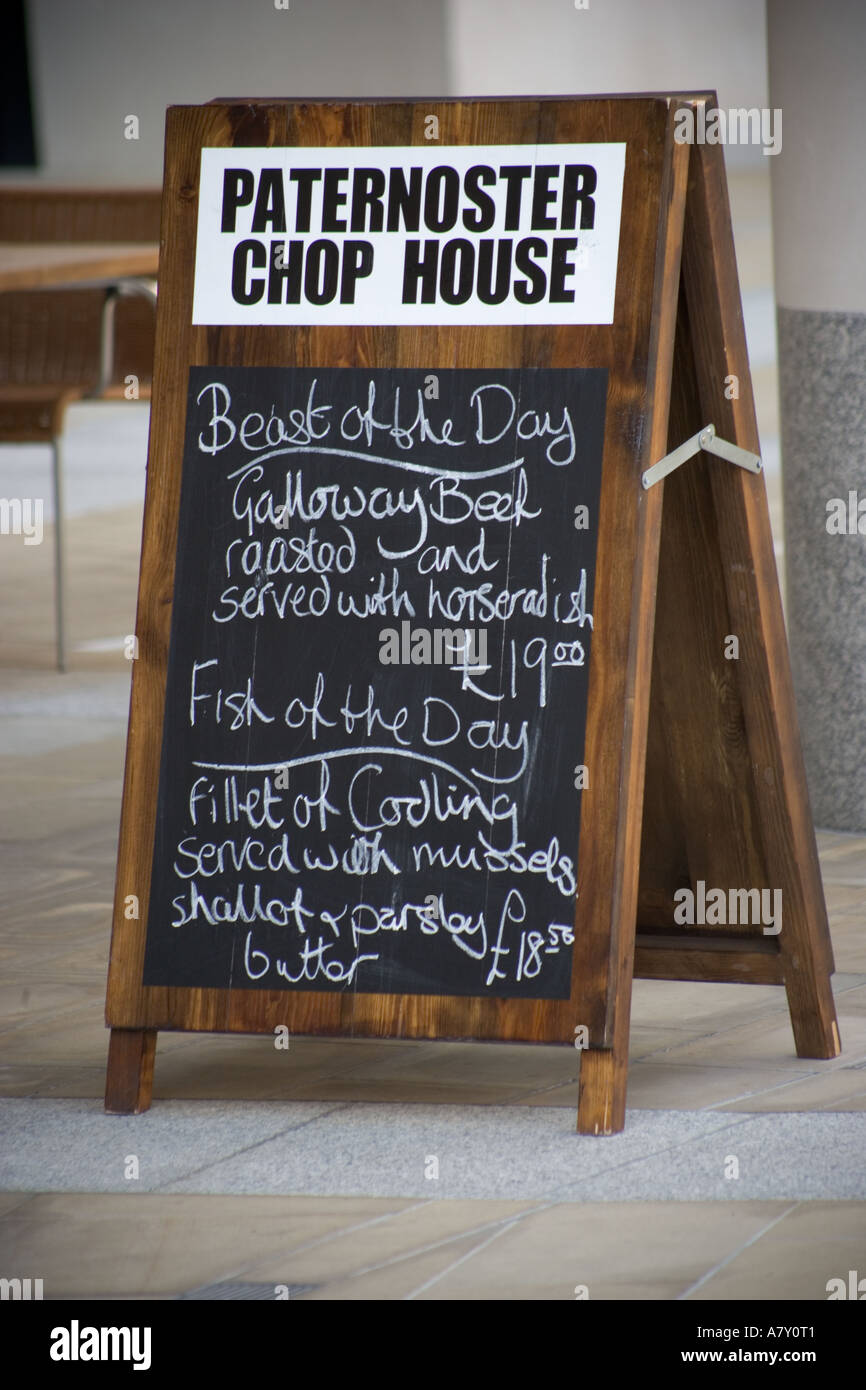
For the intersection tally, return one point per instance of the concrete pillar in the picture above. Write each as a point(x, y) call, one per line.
point(817, 66)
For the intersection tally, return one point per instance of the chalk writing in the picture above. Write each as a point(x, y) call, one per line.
point(330, 821)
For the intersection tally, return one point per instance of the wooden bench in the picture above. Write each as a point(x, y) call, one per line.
point(68, 336)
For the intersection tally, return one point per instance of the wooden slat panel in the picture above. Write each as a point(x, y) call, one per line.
point(689, 956)
point(35, 212)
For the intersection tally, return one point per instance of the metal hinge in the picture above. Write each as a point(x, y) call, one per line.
point(704, 439)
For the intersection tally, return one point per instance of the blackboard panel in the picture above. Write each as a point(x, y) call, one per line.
point(376, 696)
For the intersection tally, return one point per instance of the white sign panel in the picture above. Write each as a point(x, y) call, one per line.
point(462, 234)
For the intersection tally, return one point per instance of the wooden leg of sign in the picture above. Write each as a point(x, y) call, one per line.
point(610, 926)
point(710, 278)
point(129, 1077)
point(726, 803)
point(604, 1081)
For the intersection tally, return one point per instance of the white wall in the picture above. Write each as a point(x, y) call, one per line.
point(818, 77)
point(96, 61)
point(549, 47)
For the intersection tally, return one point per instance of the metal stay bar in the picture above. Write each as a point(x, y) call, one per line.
point(704, 439)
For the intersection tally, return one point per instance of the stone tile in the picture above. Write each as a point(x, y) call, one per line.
point(841, 853)
point(483, 1152)
point(816, 1242)
point(13, 1201)
point(702, 1007)
point(843, 896)
point(563, 1097)
point(53, 1080)
point(19, 738)
point(134, 1296)
point(518, 1291)
point(406, 1090)
point(510, 1064)
point(399, 1280)
point(849, 942)
point(224, 1068)
point(432, 1073)
point(102, 564)
point(72, 1145)
point(644, 1043)
point(851, 1002)
point(796, 1157)
point(351, 1256)
point(151, 1246)
point(337, 1054)
point(607, 1247)
point(77, 1038)
point(166, 1246)
point(81, 966)
point(645, 1040)
point(851, 1103)
point(325, 1223)
point(507, 1152)
point(845, 980)
point(603, 1292)
point(93, 762)
point(21, 1001)
point(55, 813)
point(770, 1042)
point(843, 1089)
point(664, 1085)
point(841, 1221)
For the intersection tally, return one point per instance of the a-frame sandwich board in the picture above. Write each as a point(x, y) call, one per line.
point(695, 769)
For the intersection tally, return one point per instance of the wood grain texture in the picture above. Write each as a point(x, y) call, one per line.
point(33, 414)
point(129, 1076)
point(604, 954)
point(33, 212)
point(54, 339)
point(723, 960)
point(35, 266)
point(628, 520)
point(724, 796)
point(783, 826)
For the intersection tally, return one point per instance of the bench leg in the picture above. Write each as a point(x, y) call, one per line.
point(60, 619)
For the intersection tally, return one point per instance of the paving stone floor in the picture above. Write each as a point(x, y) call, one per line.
point(311, 1168)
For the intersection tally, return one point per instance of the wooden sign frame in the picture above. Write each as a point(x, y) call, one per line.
point(695, 768)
